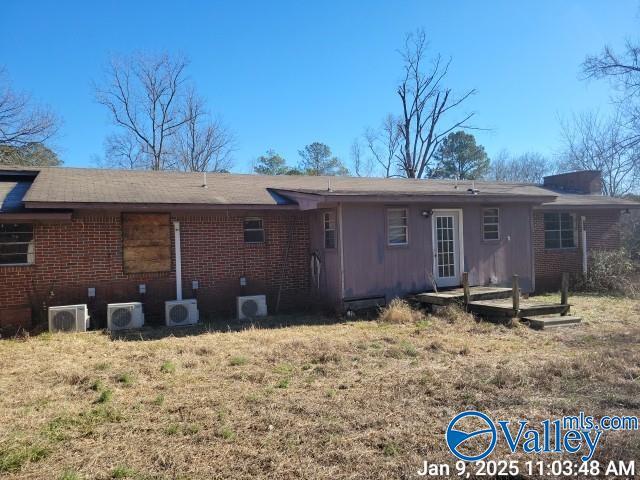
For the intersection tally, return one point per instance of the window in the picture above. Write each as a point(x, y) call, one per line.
point(253, 230)
point(16, 243)
point(559, 230)
point(397, 226)
point(491, 224)
point(329, 230)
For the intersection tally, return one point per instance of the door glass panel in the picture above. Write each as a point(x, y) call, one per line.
point(446, 246)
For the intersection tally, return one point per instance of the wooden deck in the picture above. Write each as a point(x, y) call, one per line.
point(504, 308)
point(456, 295)
point(503, 304)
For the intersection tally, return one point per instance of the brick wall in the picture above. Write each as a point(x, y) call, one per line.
point(87, 252)
point(603, 233)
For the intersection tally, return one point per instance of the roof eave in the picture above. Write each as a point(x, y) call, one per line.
point(582, 206)
point(156, 206)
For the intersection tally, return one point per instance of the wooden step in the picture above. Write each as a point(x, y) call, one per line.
point(446, 297)
point(543, 309)
point(542, 322)
point(504, 308)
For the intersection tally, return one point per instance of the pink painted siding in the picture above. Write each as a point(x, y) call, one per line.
point(374, 268)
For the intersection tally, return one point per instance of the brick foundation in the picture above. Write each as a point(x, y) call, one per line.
point(87, 252)
point(603, 233)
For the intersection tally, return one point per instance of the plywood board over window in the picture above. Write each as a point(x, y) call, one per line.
point(146, 242)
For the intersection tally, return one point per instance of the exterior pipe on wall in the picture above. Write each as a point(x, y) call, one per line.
point(176, 230)
point(341, 247)
point(584, 245)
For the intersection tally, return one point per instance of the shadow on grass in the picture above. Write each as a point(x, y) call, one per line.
point(227, 325)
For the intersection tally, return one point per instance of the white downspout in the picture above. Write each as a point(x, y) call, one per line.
point(341, 246)
point(585, 267)
point(176, 230)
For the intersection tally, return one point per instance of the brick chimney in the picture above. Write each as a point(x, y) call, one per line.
point(583, 181)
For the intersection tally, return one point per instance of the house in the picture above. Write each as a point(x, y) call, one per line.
point(73, 235)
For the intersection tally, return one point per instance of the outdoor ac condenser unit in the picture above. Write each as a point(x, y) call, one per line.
point(69, 318)
point(181, 312)
point(123, 316)
point(252, 306)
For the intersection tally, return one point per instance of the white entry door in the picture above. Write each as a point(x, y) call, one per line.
point(447, 247)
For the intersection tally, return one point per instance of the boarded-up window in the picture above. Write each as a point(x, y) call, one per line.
point(146, 242)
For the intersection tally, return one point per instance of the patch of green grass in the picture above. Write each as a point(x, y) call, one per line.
point(45, 336)
point(227, 433)
point(191, 429)
point(238, 360)
point(126, 379)
point(14, 457)
point(284, 369)
point(168, 367)
point(422, 325)
point(390, 449)
point(172, 429)
point(283, 383)
point(101, 367)
point(63, 427)
point(159, 400)
point(122, 471)
point(70, 475)
point(331, 393)
point(408, 349)
point(96, 385)
point(105, 396)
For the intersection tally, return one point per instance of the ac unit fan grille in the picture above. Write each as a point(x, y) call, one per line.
point(64, 321)
point(249, 308)
point(178, 314)
point(121, 317)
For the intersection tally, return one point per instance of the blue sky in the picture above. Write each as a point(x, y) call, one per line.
point(285, 74)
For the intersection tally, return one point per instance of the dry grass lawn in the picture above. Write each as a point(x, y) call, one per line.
point(362, 399)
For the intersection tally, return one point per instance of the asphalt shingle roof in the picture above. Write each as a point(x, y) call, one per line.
point(60, 185)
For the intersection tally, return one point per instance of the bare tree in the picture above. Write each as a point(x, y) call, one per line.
point(22, 122)
point(425, 105)
point(123, 150)
point(592, 143)
point(362, 164)
point(145, 95)
point(203, 144)
point(530, 167)
point(623, 70)
point(384, 144)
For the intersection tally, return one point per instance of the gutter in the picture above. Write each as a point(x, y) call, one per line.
point(29, 216)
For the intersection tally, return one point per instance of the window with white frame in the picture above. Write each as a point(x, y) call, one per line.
point(329, 220)
point(253, 230)
point(559, 230)
point(397, 226)
point(16, 243)
point(491, 224)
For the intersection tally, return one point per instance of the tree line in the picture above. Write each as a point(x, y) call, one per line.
point(161, 122)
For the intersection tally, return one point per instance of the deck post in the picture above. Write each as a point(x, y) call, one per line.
point(564, 292)
point(465, 288)
point(515, 294)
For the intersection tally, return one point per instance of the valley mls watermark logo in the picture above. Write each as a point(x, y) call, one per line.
point(485, 436)
point(472, 436)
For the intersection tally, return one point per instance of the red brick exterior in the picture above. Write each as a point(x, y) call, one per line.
point(87, 252)
point(603, 233)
